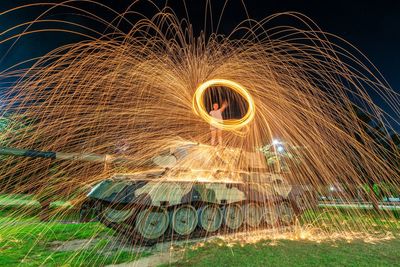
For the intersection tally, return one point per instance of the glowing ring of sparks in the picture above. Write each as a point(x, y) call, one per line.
point(231, 124)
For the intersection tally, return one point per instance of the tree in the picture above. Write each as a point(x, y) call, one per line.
point(387, 146)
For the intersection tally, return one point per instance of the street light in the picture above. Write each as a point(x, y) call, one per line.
point(276, 142)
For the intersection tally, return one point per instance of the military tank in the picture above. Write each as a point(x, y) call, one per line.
point(190, 190)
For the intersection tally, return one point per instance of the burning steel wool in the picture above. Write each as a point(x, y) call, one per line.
point(121, 125)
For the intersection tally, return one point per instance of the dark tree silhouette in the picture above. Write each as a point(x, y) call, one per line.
point(387, 144)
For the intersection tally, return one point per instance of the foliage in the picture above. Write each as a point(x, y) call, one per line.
point(11, 126)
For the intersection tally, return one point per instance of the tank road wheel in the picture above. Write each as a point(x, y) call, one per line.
point(184, 220)
point(152, 223)
point(210, 218)
point(271, 215)
point(252, 214)
point(285, 213)
point(117, 216)
point(233, 216)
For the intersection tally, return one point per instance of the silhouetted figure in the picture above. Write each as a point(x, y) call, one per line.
point(216, 113)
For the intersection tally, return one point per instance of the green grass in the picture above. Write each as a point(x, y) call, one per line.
point(294, 253)
point(361, 220)
point(28, 242)
point(25, 241)
point(311, 253)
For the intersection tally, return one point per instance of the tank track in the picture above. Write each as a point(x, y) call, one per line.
point(127, 232)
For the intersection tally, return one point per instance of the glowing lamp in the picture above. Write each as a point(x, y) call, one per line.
point(280, 149)
point(275, 142)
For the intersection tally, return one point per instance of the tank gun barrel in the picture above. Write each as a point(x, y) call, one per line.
point(17, 152)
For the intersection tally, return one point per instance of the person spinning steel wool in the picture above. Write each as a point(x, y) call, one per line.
point(216, 113)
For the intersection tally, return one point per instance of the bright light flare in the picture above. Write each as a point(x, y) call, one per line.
point(276, 142)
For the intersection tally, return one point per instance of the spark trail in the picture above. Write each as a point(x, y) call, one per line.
point(136, 90)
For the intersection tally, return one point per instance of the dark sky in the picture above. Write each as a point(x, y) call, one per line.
point(372, 26)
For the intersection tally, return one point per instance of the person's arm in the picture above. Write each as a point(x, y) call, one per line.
point(224, 106)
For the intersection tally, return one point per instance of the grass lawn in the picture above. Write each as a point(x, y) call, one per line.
point(25, 241)
point(295, 253)
point(341, 252)
point(28, 242)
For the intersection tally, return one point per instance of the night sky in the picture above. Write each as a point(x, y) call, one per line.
point(372, 26)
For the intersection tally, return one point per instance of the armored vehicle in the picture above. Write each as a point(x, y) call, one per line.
point(191, 190)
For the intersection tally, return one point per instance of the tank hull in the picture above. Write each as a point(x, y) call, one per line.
point(153, 210)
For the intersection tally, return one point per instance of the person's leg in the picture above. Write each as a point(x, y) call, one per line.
point(220, 137)
point(213, 135)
